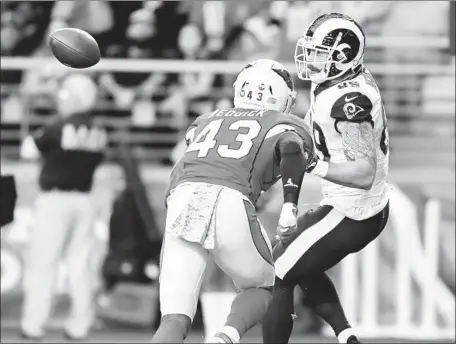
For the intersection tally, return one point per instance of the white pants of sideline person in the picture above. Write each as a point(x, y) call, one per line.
point(62, 227)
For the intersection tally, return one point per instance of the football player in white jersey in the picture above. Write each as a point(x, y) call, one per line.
point(351, 138)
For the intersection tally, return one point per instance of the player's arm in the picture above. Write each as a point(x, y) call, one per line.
point(289, 150)
point(358, 144)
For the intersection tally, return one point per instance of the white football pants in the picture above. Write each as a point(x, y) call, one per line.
point(242, 249)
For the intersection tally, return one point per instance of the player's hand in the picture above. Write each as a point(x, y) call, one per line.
point(311, 162)
point(288, 221)
point(317, 167)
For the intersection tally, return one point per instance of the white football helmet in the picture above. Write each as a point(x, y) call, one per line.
point(332, 45)
point(264, 84)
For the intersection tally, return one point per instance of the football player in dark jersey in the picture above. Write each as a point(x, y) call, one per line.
point(232, 156)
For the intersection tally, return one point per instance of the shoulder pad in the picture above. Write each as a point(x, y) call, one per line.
point(274, 112)
point(201, 118)
point(301, 128)
point(353, 107)
point(279, 125)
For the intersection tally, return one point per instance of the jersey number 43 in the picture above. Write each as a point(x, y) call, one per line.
point(207, 139)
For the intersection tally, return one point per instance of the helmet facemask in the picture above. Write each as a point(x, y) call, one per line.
point(314, 62)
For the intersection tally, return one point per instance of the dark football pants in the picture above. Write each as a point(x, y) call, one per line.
point(323, 239)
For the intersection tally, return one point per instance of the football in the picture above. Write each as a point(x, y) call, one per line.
point(74, 48)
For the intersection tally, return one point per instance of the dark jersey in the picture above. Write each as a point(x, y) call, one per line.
point(236, 148)
point(71, 149)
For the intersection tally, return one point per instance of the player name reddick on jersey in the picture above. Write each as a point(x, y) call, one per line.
point(355, 98)
point(235, 113)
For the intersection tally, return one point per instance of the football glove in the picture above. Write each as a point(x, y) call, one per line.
point(311, 162)
point(316, 166)
point(288, 221)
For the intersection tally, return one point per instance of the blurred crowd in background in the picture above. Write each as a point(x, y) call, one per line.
point(202, 30)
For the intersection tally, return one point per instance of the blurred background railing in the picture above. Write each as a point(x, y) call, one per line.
point(419, 104)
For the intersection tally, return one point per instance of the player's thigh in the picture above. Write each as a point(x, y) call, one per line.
point(292, 257)
point(243, 249)
point(356, 235)
point(215, 279)
point(178, 200)
point(182, 266)
point(350, 236)
point(325, 237)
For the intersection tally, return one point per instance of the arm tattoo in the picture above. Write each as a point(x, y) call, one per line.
point(358, 141)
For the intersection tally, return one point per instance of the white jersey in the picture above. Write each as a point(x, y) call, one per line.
point(356, 99)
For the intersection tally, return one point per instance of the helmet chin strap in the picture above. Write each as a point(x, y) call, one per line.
point(291, 99)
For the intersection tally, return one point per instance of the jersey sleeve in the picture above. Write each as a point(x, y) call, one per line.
point(295, 124)
point(287, 139)
point(353, 107)
point(304, 132)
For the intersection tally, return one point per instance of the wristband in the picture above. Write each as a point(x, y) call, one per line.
point(320, 169)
